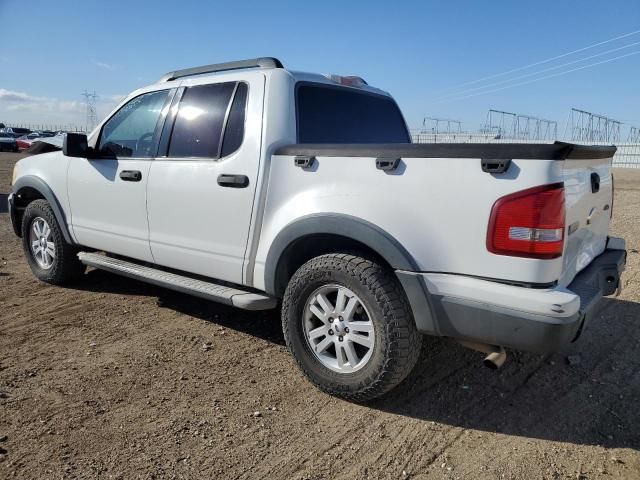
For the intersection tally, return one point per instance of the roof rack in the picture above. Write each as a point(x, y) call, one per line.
point(262, 62)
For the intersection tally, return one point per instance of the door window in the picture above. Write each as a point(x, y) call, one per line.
point(234, 131)
point(132, 131)
point(197, 130)
point(210, 121)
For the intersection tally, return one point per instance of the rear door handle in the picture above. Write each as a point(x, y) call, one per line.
point(131, 175)
point(233, 181)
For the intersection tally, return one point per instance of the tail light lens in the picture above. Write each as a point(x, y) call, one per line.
point(529, 223)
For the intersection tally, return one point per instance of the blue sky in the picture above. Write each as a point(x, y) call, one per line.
point(418, 51)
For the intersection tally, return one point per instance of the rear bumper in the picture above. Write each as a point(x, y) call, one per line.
point(536, 320)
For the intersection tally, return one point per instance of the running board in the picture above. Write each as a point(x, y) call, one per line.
point(207, 290)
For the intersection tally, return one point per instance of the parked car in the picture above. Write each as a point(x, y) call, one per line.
point(7, 143)
point(25, 141)
point(17, 131)
point(253, 185)
point(45, 133)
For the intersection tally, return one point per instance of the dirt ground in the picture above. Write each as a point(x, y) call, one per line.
point(117, 379)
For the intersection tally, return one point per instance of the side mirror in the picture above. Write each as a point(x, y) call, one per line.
point(75, 145)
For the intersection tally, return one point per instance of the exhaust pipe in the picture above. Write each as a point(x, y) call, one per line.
point(495, 359)
point(496, 356)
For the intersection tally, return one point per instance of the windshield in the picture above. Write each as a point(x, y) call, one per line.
point(331, 114)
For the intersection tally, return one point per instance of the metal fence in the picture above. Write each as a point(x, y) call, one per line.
point(627, 156)
point(53, 127)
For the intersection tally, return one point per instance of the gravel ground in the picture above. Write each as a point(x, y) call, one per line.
point(117, 379)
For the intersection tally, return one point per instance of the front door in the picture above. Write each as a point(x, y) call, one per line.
point(107, 194)
point(200, 193)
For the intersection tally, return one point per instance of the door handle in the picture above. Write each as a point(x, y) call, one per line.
point(595, 182)
point(233, 181)
point(131, 175)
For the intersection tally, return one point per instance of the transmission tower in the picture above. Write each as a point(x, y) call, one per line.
point(90, 103)
point(518, 126)
point(634, 135)
point(534, 128)
point(501, 124)
point(441, 125)
point(591, 127)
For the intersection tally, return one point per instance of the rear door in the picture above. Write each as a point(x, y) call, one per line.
point(588, 203)
point(201, 188)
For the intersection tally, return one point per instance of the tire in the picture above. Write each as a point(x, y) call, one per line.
point(395, 344)
point(59, 265)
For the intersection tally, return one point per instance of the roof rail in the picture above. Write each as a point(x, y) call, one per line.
point(262, 62)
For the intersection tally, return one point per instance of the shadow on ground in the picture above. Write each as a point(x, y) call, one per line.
point(592, 401)
point(261, 324)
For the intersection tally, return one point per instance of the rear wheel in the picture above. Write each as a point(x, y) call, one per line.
point(348, 324)
point(51, 259)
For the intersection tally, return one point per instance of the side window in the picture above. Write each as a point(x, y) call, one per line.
point(234, 132)
point(197, 130)
point(131, 131)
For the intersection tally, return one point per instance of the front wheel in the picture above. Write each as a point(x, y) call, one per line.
point(51, 259)
point(348, 324)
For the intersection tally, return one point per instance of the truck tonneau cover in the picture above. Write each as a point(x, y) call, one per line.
point(529, 151)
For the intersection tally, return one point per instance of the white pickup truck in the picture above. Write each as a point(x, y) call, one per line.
point(256, 186)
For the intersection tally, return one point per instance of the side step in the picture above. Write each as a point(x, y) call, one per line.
point(208, 290)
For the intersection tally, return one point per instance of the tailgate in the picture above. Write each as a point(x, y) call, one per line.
point(588, 202)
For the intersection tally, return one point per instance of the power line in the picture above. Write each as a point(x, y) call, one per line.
point(526, 75)
point(541, 78)
point(544, 61)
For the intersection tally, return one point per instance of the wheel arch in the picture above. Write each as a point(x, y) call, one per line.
point(30, 188)
point(316, 234)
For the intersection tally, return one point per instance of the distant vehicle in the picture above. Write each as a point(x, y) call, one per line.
point(26, 141)
point(17, 131)
point(275, 187)
point(8, 142)
point(45, 133)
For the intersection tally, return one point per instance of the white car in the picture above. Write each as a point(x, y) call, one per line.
point(252, 185)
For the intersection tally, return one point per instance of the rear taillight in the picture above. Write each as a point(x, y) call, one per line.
point(529, 223)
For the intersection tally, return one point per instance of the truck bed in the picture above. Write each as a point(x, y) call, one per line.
point(439, 210)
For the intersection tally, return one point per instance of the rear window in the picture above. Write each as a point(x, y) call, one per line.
point(327, 114)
